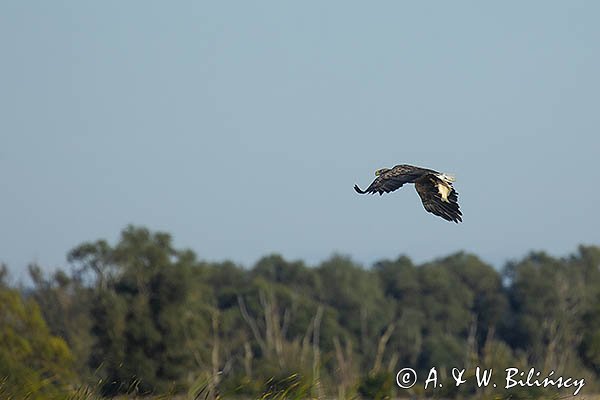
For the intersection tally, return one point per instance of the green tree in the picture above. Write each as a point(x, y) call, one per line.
point(66, 303)
point(547, 297)
point(34, 364)
point(142, 312)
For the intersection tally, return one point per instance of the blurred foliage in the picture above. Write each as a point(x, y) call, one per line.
point(142, 318)
point(34, 364)
point(376, 386)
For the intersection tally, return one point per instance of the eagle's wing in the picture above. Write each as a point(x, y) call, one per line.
point(387, 182)
point(439, 197)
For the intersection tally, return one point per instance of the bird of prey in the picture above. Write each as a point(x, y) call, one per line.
point(435, 188)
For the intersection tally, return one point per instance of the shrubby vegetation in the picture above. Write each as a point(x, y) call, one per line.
point(144, 318)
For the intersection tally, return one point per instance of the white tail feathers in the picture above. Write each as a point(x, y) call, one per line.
point(449, 178)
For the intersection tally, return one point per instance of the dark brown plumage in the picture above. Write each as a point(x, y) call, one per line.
point(434, 188)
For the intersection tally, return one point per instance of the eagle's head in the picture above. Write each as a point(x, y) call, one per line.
point(381, 171)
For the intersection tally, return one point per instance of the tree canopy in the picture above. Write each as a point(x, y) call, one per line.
point(142, 317)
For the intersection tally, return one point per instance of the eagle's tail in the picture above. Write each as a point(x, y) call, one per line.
point(448, 178)
point(359, 190)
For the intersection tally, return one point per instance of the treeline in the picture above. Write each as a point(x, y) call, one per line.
point(144, 318)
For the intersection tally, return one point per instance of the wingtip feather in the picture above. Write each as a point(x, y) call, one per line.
point(358, 190)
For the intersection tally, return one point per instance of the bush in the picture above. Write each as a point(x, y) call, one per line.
point(376, 386)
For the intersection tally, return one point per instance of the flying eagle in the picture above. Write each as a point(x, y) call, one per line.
point(434, 188)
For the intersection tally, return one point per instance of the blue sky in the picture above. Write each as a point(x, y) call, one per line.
point(241, 127)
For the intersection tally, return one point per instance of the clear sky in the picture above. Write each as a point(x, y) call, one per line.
point(241, 127)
